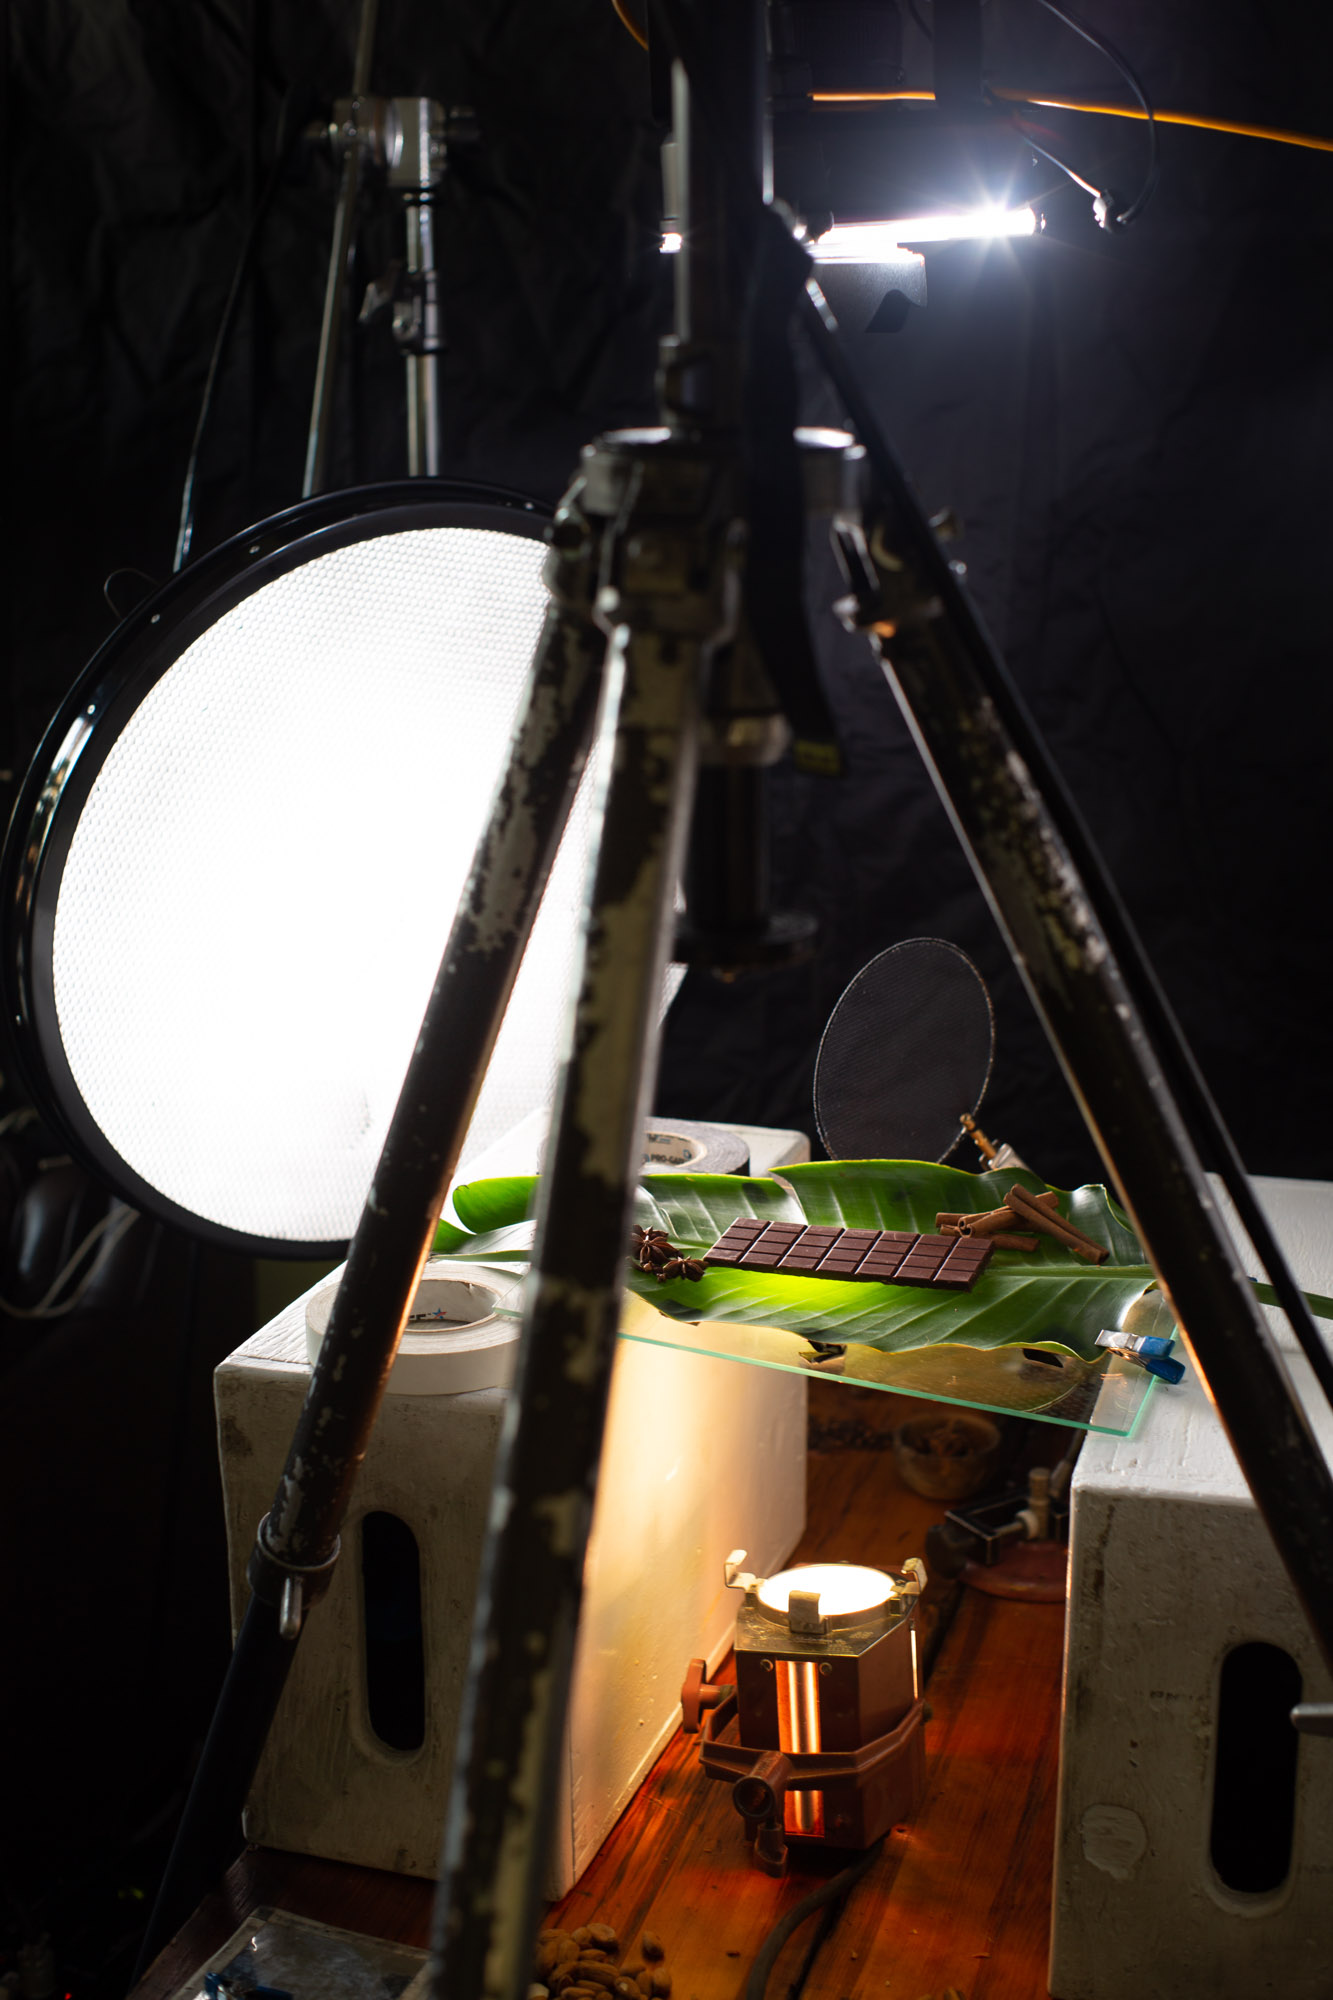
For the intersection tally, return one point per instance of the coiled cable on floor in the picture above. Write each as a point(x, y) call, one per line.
point(836, 1890)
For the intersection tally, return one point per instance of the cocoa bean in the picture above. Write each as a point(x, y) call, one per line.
point(661, 1987)
point(652, 1946)
point(595, 1970)
point(604, 1937)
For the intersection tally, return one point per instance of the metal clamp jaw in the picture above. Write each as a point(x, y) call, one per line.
point(293, 1587)
point(407, 138)
point(888, 589)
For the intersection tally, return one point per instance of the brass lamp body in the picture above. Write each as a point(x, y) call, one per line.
point(828, 1742)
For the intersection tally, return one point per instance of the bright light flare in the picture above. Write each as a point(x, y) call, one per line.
point(880, 242)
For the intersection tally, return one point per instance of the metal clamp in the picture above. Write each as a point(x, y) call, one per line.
point(914, 1579)
point(293, 1587)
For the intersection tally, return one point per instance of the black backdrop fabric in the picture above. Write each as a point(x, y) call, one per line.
point(1135, 432)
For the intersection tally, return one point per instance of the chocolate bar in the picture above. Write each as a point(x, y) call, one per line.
point(879, 1256)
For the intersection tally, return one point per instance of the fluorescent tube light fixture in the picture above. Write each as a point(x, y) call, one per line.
point(881, 242)
point(876, 242)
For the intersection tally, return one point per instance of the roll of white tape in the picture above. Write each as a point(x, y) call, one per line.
point(456, 1340)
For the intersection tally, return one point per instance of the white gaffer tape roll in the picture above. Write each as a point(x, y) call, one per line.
point(472, 1346)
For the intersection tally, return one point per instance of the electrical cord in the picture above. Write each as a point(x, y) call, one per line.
point(1231, 128)
point(1113, 55)
point(1278, 135)
point(628, 19)
point(1098, 194)
point(835, 1891)
point(115, 1224)
point(282, 146)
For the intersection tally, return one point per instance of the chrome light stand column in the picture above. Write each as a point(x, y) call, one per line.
point(417, 325)
point(340, 251)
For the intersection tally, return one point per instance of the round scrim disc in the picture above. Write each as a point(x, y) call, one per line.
point(907, 1050)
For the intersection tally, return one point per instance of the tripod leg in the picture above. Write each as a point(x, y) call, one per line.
point(502, 1804)
point(1068, 939)
point(297, 1544)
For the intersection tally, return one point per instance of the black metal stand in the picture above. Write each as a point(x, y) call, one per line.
point(650, 546)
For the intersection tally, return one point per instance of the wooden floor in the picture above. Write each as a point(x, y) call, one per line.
point(956, 1904)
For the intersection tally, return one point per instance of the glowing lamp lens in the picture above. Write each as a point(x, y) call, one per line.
point(844, 1588)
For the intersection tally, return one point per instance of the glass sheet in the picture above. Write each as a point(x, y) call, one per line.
point(1109, 1395)
point(298, 1956)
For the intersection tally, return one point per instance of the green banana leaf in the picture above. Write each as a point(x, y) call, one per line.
point(1048, 1298)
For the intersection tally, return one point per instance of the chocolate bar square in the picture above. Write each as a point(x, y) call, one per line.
point(806, 1262)
point(964, 1265)
point(921, 1264)
point(768, 1250)
point(838, 1262)
point(735, 1240)
point(880, 1268)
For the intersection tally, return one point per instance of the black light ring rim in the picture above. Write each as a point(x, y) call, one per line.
point(202, 587)
point(114, 684)
point(908, 944)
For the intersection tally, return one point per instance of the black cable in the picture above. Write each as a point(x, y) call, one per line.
point(824, 1930)
point(835, 1890)
point(282, 144)
point(1098, 194)
point(1113, 55)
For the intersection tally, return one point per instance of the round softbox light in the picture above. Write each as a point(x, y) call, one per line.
point(234, 864)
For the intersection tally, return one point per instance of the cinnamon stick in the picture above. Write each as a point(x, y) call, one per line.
point(1008, 1242)
point(1039, 1216)
point(986, 1223)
